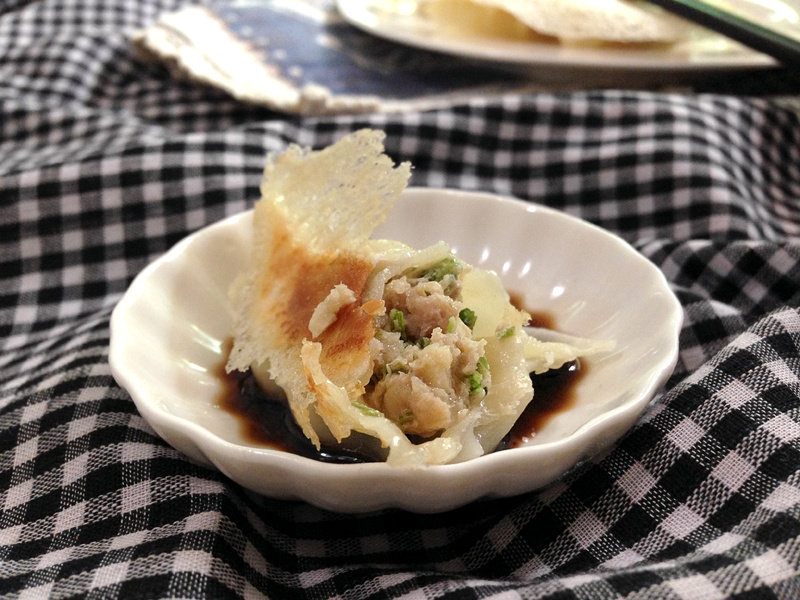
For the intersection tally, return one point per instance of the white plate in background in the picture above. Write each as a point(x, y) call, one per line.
point(400, 21)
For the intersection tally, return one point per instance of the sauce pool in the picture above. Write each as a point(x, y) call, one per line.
point(265, 420)
point(553, 393)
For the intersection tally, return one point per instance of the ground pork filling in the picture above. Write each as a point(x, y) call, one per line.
point(427, 368)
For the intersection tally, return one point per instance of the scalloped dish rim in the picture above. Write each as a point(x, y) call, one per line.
point(167, 366)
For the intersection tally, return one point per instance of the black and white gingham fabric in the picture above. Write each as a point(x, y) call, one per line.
point(106, 161)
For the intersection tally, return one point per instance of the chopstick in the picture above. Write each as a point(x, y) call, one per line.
point(783, 48)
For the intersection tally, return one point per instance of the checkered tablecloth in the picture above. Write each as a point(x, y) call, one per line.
point(107, 160)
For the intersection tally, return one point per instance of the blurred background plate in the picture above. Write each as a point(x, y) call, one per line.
point(403, 22)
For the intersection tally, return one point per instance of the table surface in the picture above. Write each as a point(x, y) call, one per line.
point(107, 160)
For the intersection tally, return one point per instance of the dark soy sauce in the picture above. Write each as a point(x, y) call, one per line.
point(267, 421)
point(553, 393)
point(539, 318)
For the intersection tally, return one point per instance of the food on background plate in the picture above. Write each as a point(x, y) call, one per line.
point(410, 349)
point(571, 22)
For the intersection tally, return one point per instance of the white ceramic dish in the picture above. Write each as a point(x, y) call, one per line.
point(168, 330)
point(400, 21)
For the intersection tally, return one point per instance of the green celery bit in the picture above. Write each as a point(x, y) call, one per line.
point(396, 366)
point(423, 341)
point(507, 332)
point(474, 379)
point(483, 364)
point(451, 325)
point(397, 321)
point(367, 410)
point(405, 417)
point(447, 266)
point(467, 315)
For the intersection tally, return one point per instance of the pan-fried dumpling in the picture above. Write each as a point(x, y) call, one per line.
point(371, 338)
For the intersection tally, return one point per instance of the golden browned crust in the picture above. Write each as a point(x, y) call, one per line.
point(309, 232)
